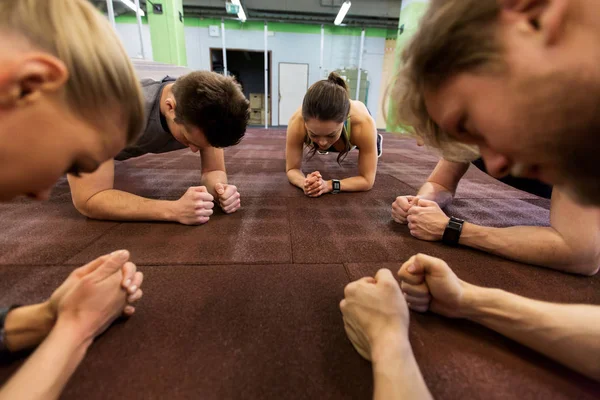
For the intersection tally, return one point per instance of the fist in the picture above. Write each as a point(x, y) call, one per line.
point(374, 310)
point(195, 207)
point(428, 283)
point(426, 220)
point(400, 208)
point(314, 185)
point(229, 197)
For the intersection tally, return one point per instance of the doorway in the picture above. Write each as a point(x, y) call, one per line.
point(293, 84)
point(248, 67)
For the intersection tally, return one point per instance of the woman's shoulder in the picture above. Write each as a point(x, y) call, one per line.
point(359, 114)
point(296, 124)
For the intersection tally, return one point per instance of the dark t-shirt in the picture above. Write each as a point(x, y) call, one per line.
point(156, 137)
point(532, 186)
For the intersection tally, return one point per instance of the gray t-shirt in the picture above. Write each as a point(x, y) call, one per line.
point(156, 137)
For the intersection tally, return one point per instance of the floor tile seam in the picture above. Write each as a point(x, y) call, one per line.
point(84, 247)
point(401, 181)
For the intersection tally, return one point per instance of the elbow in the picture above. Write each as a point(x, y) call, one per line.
point(369, 183)
point(83, 207)
point(586, 265)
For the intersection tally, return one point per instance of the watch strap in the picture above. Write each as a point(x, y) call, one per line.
point(452, 232)
point(336, 186)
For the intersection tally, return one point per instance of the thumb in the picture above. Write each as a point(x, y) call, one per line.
point(92, 266)
point(113, 264)
point(220, 188)
point(384, 274)
point(426, 265)
point(426, 203)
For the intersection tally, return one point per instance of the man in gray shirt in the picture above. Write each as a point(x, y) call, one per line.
point(204, 111)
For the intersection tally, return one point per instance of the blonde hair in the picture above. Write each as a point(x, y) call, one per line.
point(100, 73)
point(454, 37)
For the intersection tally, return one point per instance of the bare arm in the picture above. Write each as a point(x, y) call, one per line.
point(440, 188)
point(442, 183)
point(94, 196)
point(566, 333)
point(294, 147)
point(26, 327)
point(213, 169)
point(364, 136)
point(50, 366)
point(396, 374)
point(571, 244)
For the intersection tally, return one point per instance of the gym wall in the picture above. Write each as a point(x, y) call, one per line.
point(293, 43)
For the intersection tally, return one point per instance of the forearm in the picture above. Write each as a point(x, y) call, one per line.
point(210, 179)
point(569, 334)
point(116, 205)
point(355, 184)
point(542, 246)
point(46, 372)
point(435, 192)
point(296, 178)
point(26, 327)
point(396, 374)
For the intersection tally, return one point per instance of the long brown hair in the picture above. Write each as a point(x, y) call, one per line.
point(328, 100)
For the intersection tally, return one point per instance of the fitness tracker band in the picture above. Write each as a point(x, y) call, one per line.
point(453, 231)
point(3, 313)
point(337, 187)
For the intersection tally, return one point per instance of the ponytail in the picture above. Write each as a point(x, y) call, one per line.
point(334, 77)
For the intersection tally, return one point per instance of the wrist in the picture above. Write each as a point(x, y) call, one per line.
point(390, 347)
point(472, 302)
point(329, 186)
point(73, 331)
point(442, 228)
point(169, 211)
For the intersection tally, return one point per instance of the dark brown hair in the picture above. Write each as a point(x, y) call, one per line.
point(213, 103)
point(328, 100)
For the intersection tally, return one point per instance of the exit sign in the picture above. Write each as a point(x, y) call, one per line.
point(232, 8)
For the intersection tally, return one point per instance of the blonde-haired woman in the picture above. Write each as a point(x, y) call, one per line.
point(69, 100)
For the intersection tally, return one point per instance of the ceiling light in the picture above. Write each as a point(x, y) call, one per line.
point(343, 11)
point(130, 4)
point(241, 14)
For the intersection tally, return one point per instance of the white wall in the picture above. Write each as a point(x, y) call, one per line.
point(339, 52)
point(130, 37)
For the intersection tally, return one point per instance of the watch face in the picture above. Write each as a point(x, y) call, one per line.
point(336, 185)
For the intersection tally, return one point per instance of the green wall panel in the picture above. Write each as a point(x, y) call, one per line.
point(410, 17)
point(167, 34)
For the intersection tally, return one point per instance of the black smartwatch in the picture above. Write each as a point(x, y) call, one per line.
point(337, 186)
point(453, 231)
